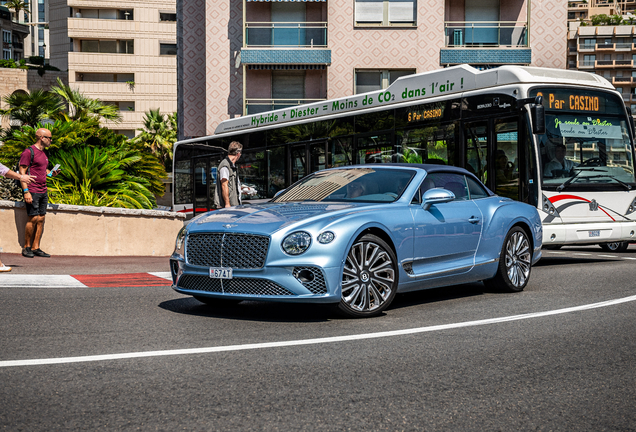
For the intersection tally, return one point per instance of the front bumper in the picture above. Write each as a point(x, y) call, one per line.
point(592, 233)
point(298, 283)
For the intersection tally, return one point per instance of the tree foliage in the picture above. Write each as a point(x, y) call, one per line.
point(159, 135)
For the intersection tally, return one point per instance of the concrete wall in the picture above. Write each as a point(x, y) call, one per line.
point(93, 231)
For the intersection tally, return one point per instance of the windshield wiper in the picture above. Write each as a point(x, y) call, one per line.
point(568, 181)
point(622, 183)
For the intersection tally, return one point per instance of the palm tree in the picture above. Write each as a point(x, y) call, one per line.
point(159, 135)
point(81, 107)
point(32, 108)
point(17, 6)
point(92, 175)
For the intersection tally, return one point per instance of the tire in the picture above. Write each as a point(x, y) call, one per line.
point(369, 278)
point(217, 301)
point(515, 263)
point(615, 246)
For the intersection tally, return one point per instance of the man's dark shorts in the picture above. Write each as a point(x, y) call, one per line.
point(38, 206)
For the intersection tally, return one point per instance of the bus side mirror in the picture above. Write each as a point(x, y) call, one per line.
point(537, 112)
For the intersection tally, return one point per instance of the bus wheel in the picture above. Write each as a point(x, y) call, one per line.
point(369, 278)
point(615, 246)
point(515, 262)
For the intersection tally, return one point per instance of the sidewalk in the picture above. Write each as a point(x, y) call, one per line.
point(83, 271)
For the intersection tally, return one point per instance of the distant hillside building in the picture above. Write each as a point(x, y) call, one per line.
point(121, 52)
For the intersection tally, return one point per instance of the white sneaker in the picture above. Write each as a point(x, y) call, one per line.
point(4, 268)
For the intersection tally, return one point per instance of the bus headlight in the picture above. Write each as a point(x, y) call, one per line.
point(632, 207)
point(296, 243)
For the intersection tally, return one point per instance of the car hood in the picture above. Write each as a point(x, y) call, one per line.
point(267, 218)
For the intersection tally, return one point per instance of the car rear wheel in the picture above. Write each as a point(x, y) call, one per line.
point(515, 262)
point(615, 246)
point(369, 278)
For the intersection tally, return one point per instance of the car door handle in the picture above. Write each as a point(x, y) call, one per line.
point(473, 220)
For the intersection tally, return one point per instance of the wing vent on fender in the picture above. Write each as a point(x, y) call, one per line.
point(408, 268)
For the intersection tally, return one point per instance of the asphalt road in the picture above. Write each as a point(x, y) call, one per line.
point(540, 367)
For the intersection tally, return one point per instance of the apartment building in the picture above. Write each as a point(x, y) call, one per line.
point(121, 52)
point(13, 35)
point(240, 57)
point(606, 50)
point(36, 21)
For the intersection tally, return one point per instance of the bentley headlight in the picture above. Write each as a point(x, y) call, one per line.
point(296, 243)
point(326, 237)
point(178, 246)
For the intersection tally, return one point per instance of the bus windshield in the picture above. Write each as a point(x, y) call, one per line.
point(586, 145)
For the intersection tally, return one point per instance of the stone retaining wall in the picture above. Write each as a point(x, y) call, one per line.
point(93, 231)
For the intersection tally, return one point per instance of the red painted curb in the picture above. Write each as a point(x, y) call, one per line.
point(121, 280)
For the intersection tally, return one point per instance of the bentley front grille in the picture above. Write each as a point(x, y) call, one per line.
point(247, 286)
point(238, 251)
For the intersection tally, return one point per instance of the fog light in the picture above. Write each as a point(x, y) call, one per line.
point(305, 276)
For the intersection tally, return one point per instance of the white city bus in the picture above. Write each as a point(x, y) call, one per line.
point(508, 125)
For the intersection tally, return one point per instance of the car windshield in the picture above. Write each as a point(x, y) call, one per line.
point(350, 185)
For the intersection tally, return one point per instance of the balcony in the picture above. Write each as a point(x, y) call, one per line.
point(612, 64)
point(619, 81)
point(259, 105)
point(509, 34)
point(286, 34)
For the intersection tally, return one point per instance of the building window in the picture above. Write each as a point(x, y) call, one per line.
point(104, 77)
point(122, 106)
point(107, 46)
point(385, 12)
point(6, 54)
point(111, 14)
point(6, 36)
point(371, 80)
point(167, 49)
point(167, 16)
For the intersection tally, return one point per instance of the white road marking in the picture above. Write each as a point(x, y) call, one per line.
point(608, 256)
point(121, 356)
point(164, 275)
point(581, 253)
point(39, 281)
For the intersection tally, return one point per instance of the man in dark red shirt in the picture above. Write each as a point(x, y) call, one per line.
point(35, 194)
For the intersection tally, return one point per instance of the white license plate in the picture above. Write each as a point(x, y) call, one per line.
point(595, 233)
point(220, 273)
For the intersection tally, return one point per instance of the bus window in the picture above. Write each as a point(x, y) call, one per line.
point(506, 159)
point(476, 139)
point(375, 148)
point(340, 152)
point(276, 170)
point(317, 157)
point(433, 144)
point(298, 163)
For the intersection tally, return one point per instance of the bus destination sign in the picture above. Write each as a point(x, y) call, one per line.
point(425, 112)
point(563, 100)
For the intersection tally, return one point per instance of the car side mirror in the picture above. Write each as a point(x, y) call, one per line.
point(436, 196)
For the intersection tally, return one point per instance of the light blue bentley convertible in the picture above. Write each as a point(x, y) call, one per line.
point(355, 236)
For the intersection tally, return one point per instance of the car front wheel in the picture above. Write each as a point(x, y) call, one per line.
point(515, 262)
point(369, 278)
